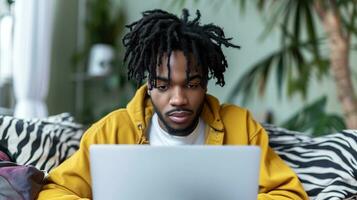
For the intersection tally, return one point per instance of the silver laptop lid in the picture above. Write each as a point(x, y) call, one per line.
point(138, 172)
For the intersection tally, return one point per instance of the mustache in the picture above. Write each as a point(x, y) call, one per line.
point(179, 110)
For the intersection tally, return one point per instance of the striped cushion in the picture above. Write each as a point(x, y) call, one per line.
point(326, 165)
point(43, 143)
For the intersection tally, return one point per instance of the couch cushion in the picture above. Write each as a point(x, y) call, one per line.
point(43, 143)
point(326, 165)
point(19, 181)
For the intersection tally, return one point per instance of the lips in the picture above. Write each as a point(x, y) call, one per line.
point(180, 117)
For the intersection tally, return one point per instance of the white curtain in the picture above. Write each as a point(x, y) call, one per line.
point(6, 24)
point(31, 58)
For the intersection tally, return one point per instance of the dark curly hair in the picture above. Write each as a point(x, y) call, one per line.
point(159, 32)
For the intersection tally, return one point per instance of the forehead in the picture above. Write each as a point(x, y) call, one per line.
point(178, 65)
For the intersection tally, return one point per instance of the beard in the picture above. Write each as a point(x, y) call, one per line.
point(183, 131)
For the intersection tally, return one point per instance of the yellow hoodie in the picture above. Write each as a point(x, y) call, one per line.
point(229, 125)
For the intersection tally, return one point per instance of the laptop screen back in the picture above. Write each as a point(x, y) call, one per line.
point(138, 172)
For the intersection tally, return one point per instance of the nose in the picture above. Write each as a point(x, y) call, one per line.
point(178, 97)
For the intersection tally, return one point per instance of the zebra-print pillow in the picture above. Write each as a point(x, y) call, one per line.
point(326, 165)
point(43, 143)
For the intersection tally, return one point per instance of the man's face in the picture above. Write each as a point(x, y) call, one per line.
point(178, 102)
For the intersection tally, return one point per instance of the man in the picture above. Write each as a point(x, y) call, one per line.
point(178, 56)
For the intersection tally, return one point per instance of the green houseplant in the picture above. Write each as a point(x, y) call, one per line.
point(104, 23)
point(103, 28)
point(300, 55)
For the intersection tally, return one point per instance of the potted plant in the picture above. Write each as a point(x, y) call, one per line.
point(100, 74)
point(103, 28)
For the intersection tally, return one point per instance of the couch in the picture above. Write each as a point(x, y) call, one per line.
point(29, 148)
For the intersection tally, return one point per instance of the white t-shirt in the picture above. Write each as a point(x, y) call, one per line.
point(158, 136)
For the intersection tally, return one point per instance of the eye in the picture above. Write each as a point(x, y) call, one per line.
point(192, 85)
point(162, 88)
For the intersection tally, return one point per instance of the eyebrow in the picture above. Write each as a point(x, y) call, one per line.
point(194, 77)
point(160, 78)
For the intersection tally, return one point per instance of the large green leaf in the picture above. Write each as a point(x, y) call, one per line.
point(313, 118)
point(291, 66)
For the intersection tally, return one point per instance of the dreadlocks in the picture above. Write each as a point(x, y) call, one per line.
point(159, 32)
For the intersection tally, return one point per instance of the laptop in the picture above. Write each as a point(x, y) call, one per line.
point(143, 172)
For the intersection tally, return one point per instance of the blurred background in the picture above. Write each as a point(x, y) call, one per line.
point(66, 56)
